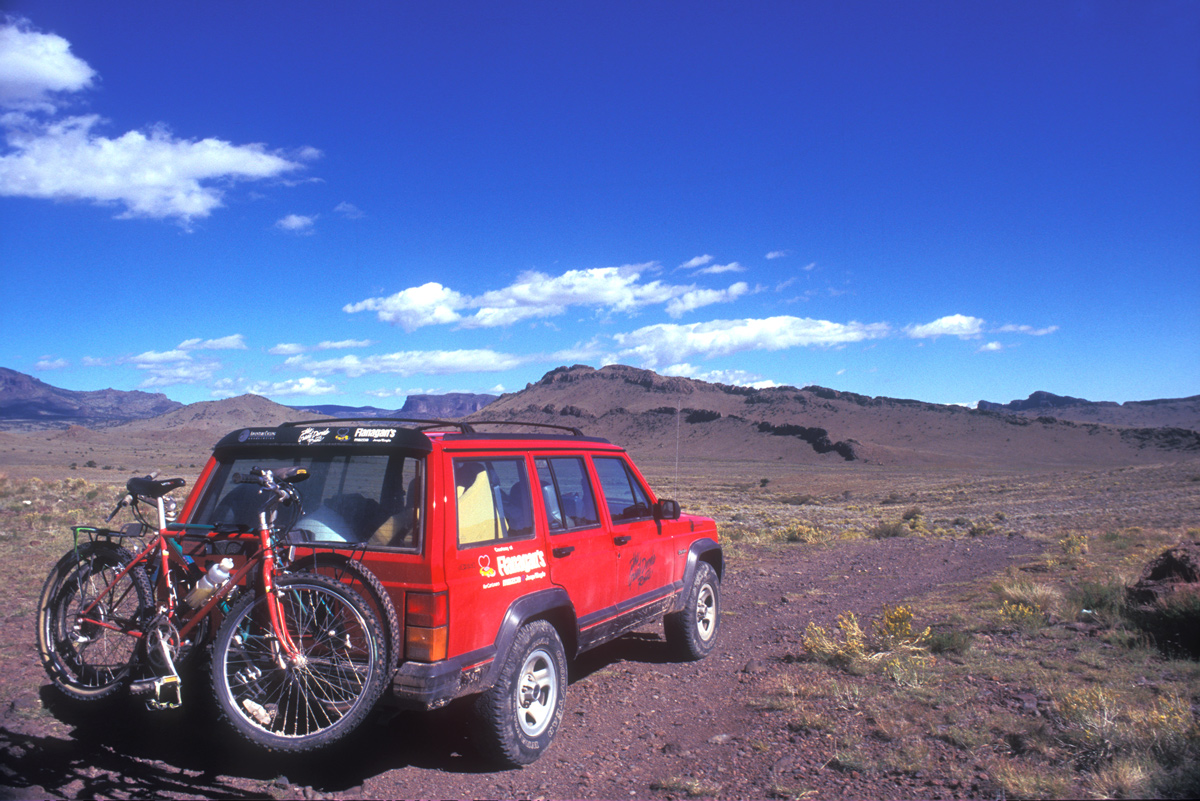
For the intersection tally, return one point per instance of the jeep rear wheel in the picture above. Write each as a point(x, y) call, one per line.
point(520, 714)
point(692, 632)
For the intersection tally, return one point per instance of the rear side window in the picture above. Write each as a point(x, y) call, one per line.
point(567, 493)
point(493, 500)
point(624, 496)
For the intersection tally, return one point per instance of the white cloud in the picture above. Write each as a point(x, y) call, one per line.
point(160, 357)
point(412, 308)
point(991, 347)
point(698, 261)
point(777, 254)
point(151, 175)
point(147, 174)
point(184, 372)
point(34, 66)
point(957, 325)
point(717, 269)
point(736, 378)
point(308, 385)
point(698, 298)
point(348, 210)
point(49, 363)
point(536, 294)
point(666, 343)
point(533, 295)
point(231, 342)
point(293, 348)
point(1025, 329)
point(406, 363)
point(296, 223)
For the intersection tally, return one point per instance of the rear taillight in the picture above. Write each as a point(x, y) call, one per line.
point(426, 626)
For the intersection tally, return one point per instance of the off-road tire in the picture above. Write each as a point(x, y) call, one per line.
point(358, 577)
point(299, 708)
point(519, 715)
point(692, 631)
point(89, 662)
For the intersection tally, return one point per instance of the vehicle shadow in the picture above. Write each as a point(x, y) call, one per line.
point(119, 746)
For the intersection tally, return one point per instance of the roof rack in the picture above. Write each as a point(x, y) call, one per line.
point(574, 431)
point(422, 425)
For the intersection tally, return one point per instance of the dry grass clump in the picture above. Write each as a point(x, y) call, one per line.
point(890, 643)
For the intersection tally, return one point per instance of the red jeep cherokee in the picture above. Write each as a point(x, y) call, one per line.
point(491, 558)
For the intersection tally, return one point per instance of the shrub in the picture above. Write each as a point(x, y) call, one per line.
point(1074, 544)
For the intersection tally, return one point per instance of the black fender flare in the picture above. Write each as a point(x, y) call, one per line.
point(552, 604)
point(702, 550)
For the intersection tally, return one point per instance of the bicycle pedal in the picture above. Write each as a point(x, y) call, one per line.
point(167, 693)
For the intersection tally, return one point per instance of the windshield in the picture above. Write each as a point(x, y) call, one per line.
point(373, 499)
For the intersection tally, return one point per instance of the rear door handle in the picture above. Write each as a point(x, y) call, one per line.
point(622, 540)
point(565, 550)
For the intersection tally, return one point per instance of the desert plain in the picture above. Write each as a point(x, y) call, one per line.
point(941, 616)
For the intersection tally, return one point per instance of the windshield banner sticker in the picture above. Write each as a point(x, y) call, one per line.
point(311, 436)
point(374, 434)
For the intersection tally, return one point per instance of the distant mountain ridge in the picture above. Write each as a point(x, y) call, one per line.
point(28, 403)
point(1160, 413)
point(658, 417)
point(419, 407)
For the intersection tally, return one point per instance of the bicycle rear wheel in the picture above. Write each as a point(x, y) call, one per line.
point(310, 702)
point(90, 656)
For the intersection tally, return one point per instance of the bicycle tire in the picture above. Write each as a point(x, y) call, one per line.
point(319, 700)
point(359, 578)
point(85, 660)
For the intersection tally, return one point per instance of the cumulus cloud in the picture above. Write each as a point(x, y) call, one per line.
point(777, 254)
point(296, 223)
point(35, 67)
point(348, 210)
point(736, 378)
point(1025, 329)
point(231, 342)
point(51, 363)
point(990, 347)
point(958, 325)
point(667, 343)
point(538, 295)
point(412, 308)
point(717, 269)
point(698, 261)
point(292, 348)
point(307, 385)
point(406, 363)
point(697, 298)
point(149, 174)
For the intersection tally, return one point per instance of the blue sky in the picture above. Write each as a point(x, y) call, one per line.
point(349, 203)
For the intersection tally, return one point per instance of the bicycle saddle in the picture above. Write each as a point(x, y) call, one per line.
point(147, 487)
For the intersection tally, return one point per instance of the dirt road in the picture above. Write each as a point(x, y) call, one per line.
point(637, 726)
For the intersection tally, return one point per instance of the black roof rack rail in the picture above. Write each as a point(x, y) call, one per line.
point(574, 431)
point(422, 425)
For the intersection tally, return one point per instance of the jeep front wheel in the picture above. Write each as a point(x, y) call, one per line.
point(520, 714)
point(692, 632)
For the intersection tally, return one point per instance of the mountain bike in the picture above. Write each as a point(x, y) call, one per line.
point(297, 659)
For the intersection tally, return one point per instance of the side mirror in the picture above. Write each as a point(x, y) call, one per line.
point(666, 510)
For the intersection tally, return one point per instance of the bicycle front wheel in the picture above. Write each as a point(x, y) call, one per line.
point(90, 618)
point(316, 698)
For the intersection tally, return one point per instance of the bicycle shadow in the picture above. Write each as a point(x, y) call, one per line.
point(120, 746)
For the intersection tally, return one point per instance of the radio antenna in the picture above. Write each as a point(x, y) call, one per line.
point(676, 491)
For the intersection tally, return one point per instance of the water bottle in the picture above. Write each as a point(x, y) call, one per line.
point(216, 576)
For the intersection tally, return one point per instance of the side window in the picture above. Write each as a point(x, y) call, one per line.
point(493, 500)
point(623, 494)
point(567, 492)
